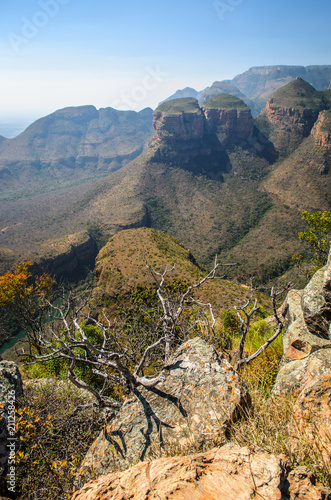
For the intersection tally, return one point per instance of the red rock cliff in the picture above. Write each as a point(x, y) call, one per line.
point(322, 130)
point(293, 119)
point(237, 124)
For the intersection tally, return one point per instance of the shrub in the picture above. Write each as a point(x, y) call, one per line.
point(53, 440)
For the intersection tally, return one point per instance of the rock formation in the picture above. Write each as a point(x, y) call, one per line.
point(322, 130)
point(307, 339)
point(71, 256)
point(228, 473)
point(197, 137)
point(180, 120)
point(306, 370)
point(312, 414)
point(200, 397)
point(228, 115)
point(292, 112)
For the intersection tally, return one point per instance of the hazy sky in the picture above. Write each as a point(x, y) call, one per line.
point(132, 54)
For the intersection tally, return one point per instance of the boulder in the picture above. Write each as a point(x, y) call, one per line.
point(201, 396)
point(326, 288)
point(293, 376)
point(227, 473)
point(307, 337)
point(11, 390)
point(298, 341)
point(312, 415)
point(316, 311)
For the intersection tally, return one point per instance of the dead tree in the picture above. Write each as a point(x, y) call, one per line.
point(246, 312)
point(173, 311)
point(66, 339)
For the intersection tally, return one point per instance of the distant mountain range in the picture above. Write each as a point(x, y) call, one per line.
point(212, 176)
point(258, 83)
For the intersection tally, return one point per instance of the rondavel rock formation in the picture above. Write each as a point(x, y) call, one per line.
point(292, 112)
point(196, 137)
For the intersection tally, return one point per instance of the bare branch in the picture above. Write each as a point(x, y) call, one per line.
point(278, 330)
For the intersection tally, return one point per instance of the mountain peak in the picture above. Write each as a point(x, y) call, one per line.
point(297, 94)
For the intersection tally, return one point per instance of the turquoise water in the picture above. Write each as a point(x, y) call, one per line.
point(10, 343)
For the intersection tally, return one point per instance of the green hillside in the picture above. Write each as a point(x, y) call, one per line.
point(121, 267)
point(184, 105)
point(299, 95)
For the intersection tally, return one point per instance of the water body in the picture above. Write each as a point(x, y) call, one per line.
point(10, 343)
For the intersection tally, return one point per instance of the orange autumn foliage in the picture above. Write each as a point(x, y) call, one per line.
point(18, 286)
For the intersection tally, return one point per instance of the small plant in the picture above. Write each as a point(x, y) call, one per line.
point(52, 439)
point(318, 236)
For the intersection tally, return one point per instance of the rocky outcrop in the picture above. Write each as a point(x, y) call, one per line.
point(227, 473)
point(185, 120)
point(200, 397)
point(316, 311)
point(78, 253)
point(312, 414)
point(322, 130)
point(307, 339)
point(11, 390)
point(294, 375)
point(181, 121)
point(236, 124)
point(197, 138)
point(326, 288)
point(292, 112)
point(291, 119)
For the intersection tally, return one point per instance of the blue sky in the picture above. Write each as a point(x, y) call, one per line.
point(132, 54)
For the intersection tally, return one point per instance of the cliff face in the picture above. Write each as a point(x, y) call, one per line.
point(299, 121)
point(198, 137)
point(291, 113)
point(179, 125)
point(184, 119)
point(322, 130)
point(236, 124)
point(71, 259)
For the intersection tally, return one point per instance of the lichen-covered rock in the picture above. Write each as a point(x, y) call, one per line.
point(316, 312)
point(307, 337)
point(298, 341)
point(312, 414)
point(11, 390)
point(293, 376)
point(227, 473)
point(303, 486)
point(10, 379)
point(326, 288)
point(200, 397)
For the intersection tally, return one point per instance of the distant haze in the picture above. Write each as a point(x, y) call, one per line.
point(132, 55)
